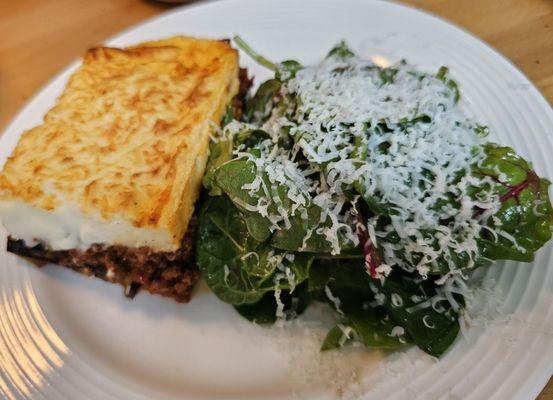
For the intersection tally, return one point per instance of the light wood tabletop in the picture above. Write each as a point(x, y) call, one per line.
point(40, 37)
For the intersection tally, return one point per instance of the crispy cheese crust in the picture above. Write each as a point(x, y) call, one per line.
point(128, 138)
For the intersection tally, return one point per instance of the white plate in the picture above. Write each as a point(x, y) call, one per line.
point(63, 336)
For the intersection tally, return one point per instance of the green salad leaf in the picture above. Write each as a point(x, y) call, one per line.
point(345, 285)
point(341, 50)
point(525, 218)
point(377, 206)
point(231, 178)
point(303, 233)
point(371, 326)
point(234, 175)
point(265, 310)
point(338, 337)
point(223, 240)
point(219, 153)
point(443, 75)
point(237, 267)
point(430, 321)
point(258, 109)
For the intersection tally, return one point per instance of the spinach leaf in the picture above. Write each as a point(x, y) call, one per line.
point(373, 318)
point(300, 264)
point(261, 312)
point(219, 153)
point(348, 281)
point(228, 116)
point(287, 70)
point(338, 337)
point(222, 241)
point(371, 326)
point(339, 274)
point(443, 75)
point(230, 178)
point(349, 284)
point(258, 108)
point(265, 310)
point(250, 137)
point(341, 50)
point(351, 287)
point(233, 175)
point(387, 75)
point(292, 239)
point(409, 302)
point(238, 268)
point(441, 265)
point(374, 204)
point(375, 329)
point(525, 215)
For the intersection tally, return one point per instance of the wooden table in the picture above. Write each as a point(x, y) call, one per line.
point(40, 37)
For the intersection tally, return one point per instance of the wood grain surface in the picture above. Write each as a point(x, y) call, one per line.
point(40, 37)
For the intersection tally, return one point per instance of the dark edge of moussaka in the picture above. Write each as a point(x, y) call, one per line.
point(170, 274)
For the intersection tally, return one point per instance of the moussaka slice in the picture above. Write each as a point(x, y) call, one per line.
point(108, 183)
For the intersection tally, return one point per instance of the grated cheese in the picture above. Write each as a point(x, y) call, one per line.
point(335, 300)
point(352, 128)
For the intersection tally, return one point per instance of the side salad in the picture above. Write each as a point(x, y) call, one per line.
point(366, 188)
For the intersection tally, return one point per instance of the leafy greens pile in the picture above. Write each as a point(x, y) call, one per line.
point(368, 189)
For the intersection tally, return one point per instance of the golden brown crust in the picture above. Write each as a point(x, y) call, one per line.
point(128, 136)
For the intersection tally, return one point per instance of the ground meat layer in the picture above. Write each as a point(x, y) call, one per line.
point(171, 274)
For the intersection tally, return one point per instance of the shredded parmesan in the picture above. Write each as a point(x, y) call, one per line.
point(402, 142)
point(335, 300)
